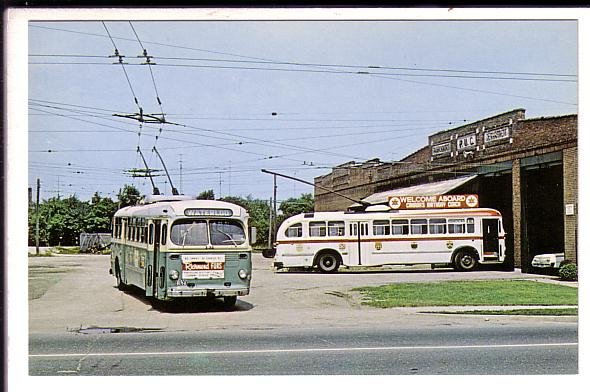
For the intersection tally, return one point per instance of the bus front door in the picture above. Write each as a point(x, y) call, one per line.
point(154, 280)
point(491, 245)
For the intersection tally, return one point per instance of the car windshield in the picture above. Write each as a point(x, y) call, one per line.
point(200, 232)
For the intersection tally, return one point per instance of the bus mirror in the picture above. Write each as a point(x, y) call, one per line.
point(252, 235)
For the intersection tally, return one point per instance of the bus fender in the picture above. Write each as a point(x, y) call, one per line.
point(327, 260)
point(468, 249)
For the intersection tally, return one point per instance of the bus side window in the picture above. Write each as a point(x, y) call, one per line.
point(419, 226)
point(456, 226)
point(317, 229)
point(400, 227)
point(295, 230)
point(336, 229)
point(164, 233)
point(151, 234)
point(437, 226)
point(381, 227)
point(353, 229)
point(470, 225)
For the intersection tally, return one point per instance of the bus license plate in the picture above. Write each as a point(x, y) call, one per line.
point(203, 266)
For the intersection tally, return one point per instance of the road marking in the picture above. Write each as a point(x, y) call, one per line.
point(300, 350)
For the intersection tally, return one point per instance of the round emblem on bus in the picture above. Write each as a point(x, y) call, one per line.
point(450, 244)
point(378, 245)
point(341, 246)
point(394, 202)
point(472, 201)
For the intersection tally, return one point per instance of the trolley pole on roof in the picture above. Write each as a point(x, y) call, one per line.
point(155, 189)
point(174, 190)
point(363, 203)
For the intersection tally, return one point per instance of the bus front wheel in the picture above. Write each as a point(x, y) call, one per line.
point(465, 261)
point(328, 262)
point(229, 301)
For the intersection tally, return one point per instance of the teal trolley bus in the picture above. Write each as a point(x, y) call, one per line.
point(179, 247)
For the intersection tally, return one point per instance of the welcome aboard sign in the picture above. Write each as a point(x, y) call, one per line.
point(432, 202)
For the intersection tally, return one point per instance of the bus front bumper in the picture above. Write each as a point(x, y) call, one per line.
point(185, 291)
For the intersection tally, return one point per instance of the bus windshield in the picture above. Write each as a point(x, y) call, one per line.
point(199, 232)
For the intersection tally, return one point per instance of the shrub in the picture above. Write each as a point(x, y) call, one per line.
point(568, 272)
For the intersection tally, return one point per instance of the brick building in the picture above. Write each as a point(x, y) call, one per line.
point(525, 168)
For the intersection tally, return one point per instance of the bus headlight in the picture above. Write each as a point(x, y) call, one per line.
point(174, 275)
point(243, 274)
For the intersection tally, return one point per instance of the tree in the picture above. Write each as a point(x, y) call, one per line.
point(129, 196)
point(259, 211)
point(294, 206)
point(62, 220)
point(100, 214)
point(206, 195)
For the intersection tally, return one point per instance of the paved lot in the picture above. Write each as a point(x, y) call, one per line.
point(83, 294)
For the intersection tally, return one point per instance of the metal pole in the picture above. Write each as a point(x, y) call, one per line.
point(37, 223)
point(274, 208)
point(270, 224)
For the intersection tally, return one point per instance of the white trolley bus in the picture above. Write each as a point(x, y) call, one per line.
point(461, 238)
point(178, 247)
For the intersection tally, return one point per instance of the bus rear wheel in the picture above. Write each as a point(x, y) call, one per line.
point(328, 262)
point(465, 261)
point(120, 285)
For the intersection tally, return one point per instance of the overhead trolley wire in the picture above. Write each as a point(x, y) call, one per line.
point(360, 71)
point(258, 58)
point(120, 61)
point(149, 63)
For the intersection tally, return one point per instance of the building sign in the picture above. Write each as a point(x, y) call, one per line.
point(496, 134)
point(432, 202)
point(441, 149)
point(466, 141)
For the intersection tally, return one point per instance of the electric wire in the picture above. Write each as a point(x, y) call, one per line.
point(258, 58)
point(122, 66)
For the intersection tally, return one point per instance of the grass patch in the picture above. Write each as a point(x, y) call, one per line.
point(47, 253)
point(518, 312)
point(463, 293)
point(43, 277)
point(67, 250)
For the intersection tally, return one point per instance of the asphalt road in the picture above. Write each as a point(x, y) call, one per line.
point(291, 323)
point(509, 350)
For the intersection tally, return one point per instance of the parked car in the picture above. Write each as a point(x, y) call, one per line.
point(548, 260)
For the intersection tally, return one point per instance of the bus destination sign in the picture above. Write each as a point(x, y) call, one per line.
point(432, 202)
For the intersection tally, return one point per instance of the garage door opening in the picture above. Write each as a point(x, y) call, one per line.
point(542, 211)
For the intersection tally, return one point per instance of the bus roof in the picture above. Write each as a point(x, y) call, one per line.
point(332, 215)
point(176, 208)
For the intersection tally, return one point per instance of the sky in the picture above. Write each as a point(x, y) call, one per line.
point(294, 97)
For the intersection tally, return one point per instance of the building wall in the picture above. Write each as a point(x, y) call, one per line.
point(496, 144)
point(570, 199)
point(516, 213)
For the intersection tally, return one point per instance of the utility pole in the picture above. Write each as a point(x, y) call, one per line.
point(37, 223)
point(274, 208)
point(270, 224)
